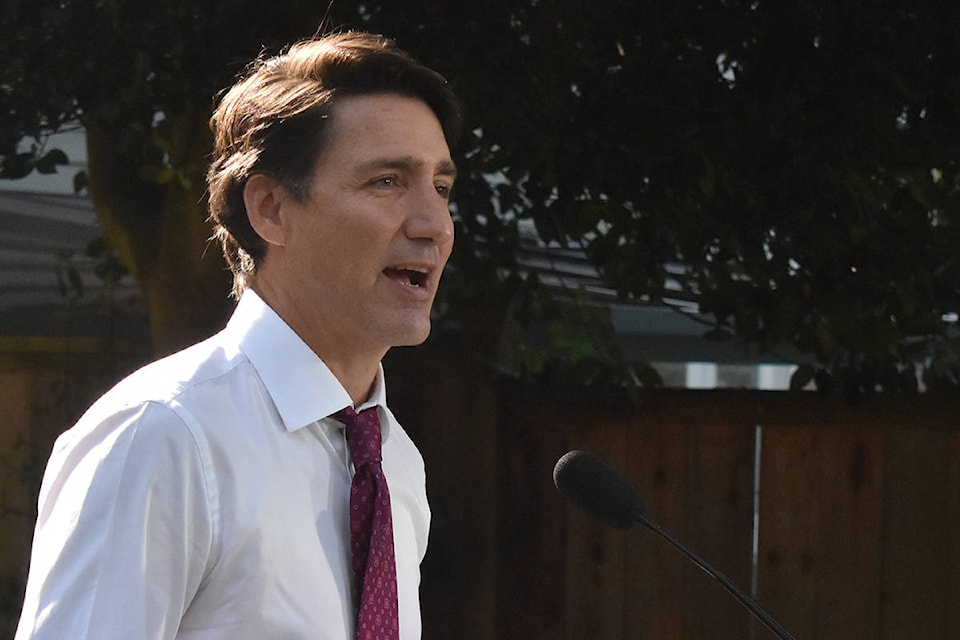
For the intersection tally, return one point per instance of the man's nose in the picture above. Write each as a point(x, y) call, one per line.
point(429, 215)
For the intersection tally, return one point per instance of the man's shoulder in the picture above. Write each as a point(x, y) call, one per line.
point(167, 379)
point(150, 408)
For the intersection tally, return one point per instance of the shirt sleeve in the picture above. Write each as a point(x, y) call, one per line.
point(124, 532)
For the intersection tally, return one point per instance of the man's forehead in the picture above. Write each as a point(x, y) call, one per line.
point(390, 130)
point(367, 106)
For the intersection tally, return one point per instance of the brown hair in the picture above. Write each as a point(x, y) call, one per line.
point(276, 119)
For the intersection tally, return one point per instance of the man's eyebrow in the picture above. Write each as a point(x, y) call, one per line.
point(406, 163)
point(448, 169)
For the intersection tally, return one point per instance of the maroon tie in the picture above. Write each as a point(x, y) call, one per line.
point(371, 530)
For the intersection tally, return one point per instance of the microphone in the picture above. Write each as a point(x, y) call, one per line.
point(598, 489)
point(604, 493)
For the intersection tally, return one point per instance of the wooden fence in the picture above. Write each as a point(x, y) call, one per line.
point(858, 518)
point(858, 513)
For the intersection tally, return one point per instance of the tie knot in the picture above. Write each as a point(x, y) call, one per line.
point(363, 434)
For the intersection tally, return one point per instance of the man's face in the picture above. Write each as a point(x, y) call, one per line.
point(365, 250)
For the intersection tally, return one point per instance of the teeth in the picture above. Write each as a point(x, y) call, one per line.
point(416, 276)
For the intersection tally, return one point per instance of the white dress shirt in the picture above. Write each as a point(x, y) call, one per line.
point(205, 497)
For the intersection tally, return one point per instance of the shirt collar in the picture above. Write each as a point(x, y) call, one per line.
point(301, 386)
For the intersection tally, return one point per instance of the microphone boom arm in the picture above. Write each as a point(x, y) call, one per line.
point(727, 584)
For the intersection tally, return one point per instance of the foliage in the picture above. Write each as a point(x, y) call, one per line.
point(792, 166)
point(799, 160)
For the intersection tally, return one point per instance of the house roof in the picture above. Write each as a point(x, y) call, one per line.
point(670, 331)
point(48, 284)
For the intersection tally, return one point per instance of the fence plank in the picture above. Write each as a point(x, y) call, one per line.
point(821, 530)
point(595, 558)
point(719, 512)
point(921, 553)
point(655, 574)
point(531, 522)
point(697, 474)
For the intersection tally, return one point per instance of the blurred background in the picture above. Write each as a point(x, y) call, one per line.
point(716, 243)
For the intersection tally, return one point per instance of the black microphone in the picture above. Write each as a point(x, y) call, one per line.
point(604, 493)
point(598, 489)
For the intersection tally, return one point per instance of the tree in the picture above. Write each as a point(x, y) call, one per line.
point(792, 167)
point(141, 77)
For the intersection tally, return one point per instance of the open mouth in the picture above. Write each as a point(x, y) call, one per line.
point(411, 277)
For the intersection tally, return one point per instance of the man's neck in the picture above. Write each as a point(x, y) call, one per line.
point(354, 366)
point(358, 382)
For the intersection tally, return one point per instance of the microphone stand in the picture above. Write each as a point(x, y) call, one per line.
point(727, 584)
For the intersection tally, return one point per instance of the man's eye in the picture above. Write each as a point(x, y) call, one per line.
point(444, 190)
point(385, 181)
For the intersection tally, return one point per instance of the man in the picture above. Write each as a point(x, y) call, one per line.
point(208, 495)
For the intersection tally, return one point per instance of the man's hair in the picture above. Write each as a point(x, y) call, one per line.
point(276, 121)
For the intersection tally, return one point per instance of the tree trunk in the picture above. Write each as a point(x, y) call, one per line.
point(157, 225)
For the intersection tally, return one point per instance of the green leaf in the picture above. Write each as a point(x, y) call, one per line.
point(76, 284)
point(50, 160)
point(801, 377)
point(17, 166)
point(648, 375)
point(80, 181)
point(158, 175)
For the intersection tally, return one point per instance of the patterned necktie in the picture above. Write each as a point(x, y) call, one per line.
point(371, 530)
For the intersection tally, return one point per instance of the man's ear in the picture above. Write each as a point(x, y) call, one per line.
point(263, 197)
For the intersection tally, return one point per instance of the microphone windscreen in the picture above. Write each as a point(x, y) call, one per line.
point(598, 489)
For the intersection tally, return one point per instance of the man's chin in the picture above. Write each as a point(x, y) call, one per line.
point(413, 338)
